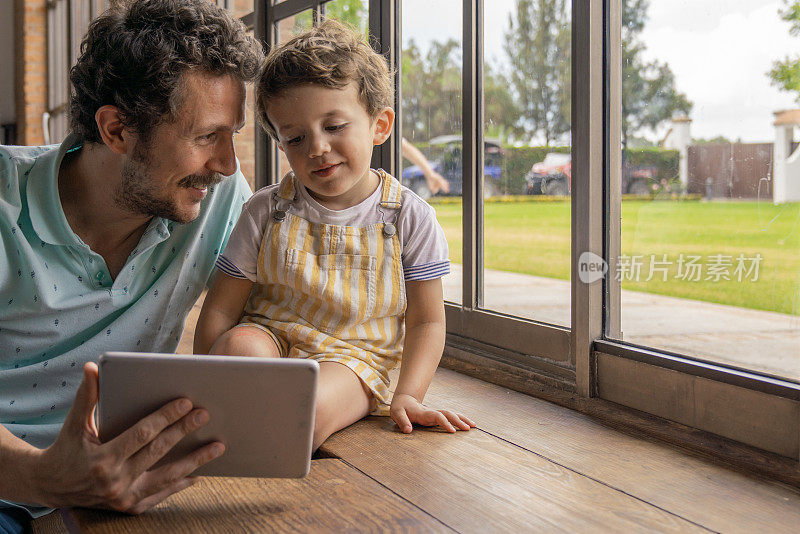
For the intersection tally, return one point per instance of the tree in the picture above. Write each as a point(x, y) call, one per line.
point(786, 74)
point(500, 109)
point(649, 95)
point(352, 12)
point(538, 50)
point(431, 90)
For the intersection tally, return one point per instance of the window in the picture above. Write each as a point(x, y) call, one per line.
point(543, 245)
point(67, 21)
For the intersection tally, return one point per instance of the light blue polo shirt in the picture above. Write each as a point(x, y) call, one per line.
point(59, 307)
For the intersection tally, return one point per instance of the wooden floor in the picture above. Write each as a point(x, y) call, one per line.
point(530, 466)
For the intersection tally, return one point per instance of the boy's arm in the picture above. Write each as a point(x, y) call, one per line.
point(221, 310)
point(425, 331)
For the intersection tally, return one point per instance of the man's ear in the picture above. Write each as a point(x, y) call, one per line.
point(383, 125)
point(113, 133)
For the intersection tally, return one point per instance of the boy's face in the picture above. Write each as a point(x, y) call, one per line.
point(328, 136)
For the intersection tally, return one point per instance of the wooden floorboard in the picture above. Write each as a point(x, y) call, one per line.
point(691, 487)
point(334, 497)
point(475, 482)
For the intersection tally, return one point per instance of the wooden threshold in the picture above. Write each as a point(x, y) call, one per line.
point(735, 454)
point(536, 465)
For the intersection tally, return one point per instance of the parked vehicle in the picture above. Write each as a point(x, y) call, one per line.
point(553, 176)
point(450, 165)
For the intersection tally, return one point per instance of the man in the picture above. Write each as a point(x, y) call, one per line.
point(107, 240)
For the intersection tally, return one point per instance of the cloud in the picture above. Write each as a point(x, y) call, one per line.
point(720, 58)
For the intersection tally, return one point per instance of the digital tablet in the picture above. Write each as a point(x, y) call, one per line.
point(262, 409)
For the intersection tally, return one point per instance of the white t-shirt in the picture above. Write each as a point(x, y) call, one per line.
point(425, 252)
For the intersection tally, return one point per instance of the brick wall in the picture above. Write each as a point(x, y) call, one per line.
point(30, 69)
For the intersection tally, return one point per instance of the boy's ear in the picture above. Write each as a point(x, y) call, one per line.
point(113, 133)
point(383, 125)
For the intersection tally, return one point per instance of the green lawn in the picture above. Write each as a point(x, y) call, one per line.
point(533, 237)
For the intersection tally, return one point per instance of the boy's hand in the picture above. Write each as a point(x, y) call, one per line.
point(406, 410)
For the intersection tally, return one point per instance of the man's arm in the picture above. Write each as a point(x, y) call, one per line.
point(433, 179)
point(78, 470)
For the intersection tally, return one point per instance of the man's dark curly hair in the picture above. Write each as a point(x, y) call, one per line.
point(134, 57)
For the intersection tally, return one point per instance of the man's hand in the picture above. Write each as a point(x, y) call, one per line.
point(406, 410)
point(79, 470)
point(436, 182)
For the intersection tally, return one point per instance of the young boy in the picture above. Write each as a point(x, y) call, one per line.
point(338, 262)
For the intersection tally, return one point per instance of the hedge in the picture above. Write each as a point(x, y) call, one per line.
point(518, 161)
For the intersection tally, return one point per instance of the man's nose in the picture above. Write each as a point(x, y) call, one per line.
point(223, 160)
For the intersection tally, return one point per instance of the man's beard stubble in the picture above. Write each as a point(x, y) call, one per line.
point(137, 190)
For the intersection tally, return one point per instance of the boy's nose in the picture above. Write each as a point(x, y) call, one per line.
point(319, 146)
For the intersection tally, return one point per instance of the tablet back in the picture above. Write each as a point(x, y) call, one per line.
point(261, 408)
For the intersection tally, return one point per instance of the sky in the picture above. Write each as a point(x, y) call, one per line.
point(719, 51)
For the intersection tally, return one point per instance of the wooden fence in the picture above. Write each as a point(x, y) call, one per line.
point(739, 170)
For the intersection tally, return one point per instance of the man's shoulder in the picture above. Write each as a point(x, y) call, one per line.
point(20, 158)
point(20, 153)
point(16, 163)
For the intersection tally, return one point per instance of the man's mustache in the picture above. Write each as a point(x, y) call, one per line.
point(200, 181)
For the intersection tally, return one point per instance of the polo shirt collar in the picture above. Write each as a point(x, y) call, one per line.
point(44, 204)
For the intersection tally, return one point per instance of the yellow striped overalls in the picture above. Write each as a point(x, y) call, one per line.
point(334, 293)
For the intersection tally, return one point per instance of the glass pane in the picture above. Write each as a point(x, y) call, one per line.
point(291, 26)
point(288, 28)
point(241, 8)
point(526, 230)
point(709, 262)
point(353, 12)
point(431, 102)
point(245, 141)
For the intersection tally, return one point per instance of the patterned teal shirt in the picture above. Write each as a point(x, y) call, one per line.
point(59, 307)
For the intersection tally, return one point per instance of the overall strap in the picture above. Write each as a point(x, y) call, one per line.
point(391, 194)
point(284, 197)
point(287, 189)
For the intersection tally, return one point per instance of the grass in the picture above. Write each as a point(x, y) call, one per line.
point(534, 238)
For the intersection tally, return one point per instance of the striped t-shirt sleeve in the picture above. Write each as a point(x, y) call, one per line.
point(225, 265)
point(427, 271)
point(425, 251)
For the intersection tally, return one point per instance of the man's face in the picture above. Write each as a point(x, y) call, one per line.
point(168, 175)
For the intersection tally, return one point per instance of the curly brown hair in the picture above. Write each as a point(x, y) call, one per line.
point(332, 55)
point(134, 57)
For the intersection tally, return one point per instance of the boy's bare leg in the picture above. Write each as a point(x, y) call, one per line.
point(246, 341)
point(342, 399)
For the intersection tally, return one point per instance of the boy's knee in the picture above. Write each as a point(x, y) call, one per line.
point(245, 341)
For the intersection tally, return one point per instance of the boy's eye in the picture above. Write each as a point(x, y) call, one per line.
point(336, 127)
point(294, 140)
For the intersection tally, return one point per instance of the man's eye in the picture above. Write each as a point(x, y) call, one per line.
point(208, 137)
